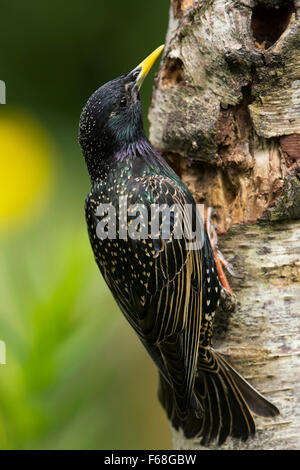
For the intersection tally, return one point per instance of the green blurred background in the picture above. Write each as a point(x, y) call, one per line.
point(76, 376)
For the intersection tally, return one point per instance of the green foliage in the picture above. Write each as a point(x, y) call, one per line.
point(76, 376)
point(70, 381)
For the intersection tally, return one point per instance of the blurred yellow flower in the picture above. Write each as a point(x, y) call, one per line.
point(25, 167)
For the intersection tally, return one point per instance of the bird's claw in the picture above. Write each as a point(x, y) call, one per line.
point(219, 257)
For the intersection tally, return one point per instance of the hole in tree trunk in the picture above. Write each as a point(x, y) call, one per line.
point(268, 23)
point(173, 73)
point(180, 5)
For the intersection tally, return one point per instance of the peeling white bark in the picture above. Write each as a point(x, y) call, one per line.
point(225, 100)
point(226, 115)
point(263, 337)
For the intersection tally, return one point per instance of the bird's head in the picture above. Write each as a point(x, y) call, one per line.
point(111, 121)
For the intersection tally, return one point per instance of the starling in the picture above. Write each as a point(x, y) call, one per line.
point(167, 289)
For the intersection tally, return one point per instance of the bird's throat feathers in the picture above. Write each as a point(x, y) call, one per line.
point(140, 147)
point(132, 153)
point(126, 137)
point(118, 140)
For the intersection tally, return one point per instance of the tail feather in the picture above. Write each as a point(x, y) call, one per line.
point(256, 402)
point(232, 416)
point(212, 411)
point(241, 422)
point(227, 399)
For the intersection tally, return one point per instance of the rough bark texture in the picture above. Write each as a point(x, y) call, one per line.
point(226, 115)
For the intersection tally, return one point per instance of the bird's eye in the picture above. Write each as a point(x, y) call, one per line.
point(136, 74)
point(123, 102)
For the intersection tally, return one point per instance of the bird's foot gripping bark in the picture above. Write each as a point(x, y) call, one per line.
point(220, 260)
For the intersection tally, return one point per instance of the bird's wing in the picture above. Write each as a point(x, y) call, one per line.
point(161, 291)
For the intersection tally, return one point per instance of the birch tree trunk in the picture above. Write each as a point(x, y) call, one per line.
point(226, 115)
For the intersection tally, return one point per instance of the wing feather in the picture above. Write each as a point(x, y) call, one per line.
point(160, 292)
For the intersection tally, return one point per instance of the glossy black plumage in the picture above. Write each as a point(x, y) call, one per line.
point(167, 292)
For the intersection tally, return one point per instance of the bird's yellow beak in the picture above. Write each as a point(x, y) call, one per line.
point(146, 65)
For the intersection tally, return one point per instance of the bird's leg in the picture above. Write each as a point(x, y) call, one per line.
point(219, 258)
